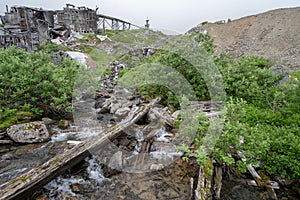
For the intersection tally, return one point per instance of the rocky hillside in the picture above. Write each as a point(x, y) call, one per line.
point(274, 34)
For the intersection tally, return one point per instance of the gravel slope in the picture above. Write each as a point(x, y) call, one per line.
point(274, 34)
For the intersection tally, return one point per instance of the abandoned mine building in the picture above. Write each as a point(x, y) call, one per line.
point(82, 19)
point(27, 28)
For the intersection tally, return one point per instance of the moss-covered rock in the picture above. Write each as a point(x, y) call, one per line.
point(29, 132)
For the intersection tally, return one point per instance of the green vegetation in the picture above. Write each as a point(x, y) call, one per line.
point(31, 82)
point(206, 42)
point(49, 47)
point(262, 121)
point(263, 116)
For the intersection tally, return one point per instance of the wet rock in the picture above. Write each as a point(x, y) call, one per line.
point(7, 156)
point(108, 171)
point(42, 197)
point(114, 107)
point(75, 187)
point(105, 107)
point(128, 104)
point(121, 112)
point(116, 161)
point(100, 117)
point(156, 167)
point(63, 124)
point(48, 121)
point(160, 114)
point(104, 110)
point(110, 91)
point(136, 102)
point(130, 98)
point(29, 133)
point(114, 166)
point(68, 197)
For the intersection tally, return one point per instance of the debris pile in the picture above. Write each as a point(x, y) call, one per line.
point(27, 28)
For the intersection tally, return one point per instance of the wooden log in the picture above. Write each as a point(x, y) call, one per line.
point(23, 186)
point(163, 116)
point(203, 190)
point(217, 185)
point(272, 184)
point(6, 142)
point(146, 144)
point(213, 114)
point(259, 181)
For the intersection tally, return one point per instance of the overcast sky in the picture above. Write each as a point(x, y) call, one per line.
point(174, 15)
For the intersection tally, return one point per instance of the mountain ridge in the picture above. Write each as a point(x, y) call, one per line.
point(273, 34)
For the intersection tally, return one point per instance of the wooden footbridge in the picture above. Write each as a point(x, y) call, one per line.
point(107, 22)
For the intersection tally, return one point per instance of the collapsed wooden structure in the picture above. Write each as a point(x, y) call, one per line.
point(26, 27)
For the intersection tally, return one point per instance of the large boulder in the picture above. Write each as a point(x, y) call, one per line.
point(32, 132)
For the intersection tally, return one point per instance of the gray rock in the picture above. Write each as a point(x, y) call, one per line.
point(122, 111)
point(29, 133)
point(7, 156)
point(114, 107)
point(160, 114)
point(156, 167)
point(136, 102)
point(48, 121)
point(63, 124)
point(279, 70)
point(176, 114)
point(105, 107)
point(128, 104)
point(116, 161)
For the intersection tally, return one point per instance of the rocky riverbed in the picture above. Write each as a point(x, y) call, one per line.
point(126, 168)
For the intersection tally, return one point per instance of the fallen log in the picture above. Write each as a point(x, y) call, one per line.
point(269, 185)
point(25, 185)
point(262, 183)
point(6, 142)
point(146, 145)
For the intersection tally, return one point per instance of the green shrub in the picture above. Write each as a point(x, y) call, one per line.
point(31, 82)
point(206, 42)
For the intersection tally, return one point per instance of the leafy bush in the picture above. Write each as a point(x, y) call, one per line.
point(50, 47)
point(247, 77)
point(31, 82)
point(262, 136)
point(262, 121)
point(206, 42)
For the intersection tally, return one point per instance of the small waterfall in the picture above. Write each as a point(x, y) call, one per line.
point(83, 134)
point(94, 171)
point(60, 187)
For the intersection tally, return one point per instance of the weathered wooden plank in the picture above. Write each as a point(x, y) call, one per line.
point(23, 186)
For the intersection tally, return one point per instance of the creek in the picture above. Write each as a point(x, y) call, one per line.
point(116, 171)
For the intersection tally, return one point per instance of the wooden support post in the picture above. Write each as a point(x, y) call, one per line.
point(103, 25)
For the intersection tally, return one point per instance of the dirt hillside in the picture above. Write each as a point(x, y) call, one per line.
point(274, 34)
